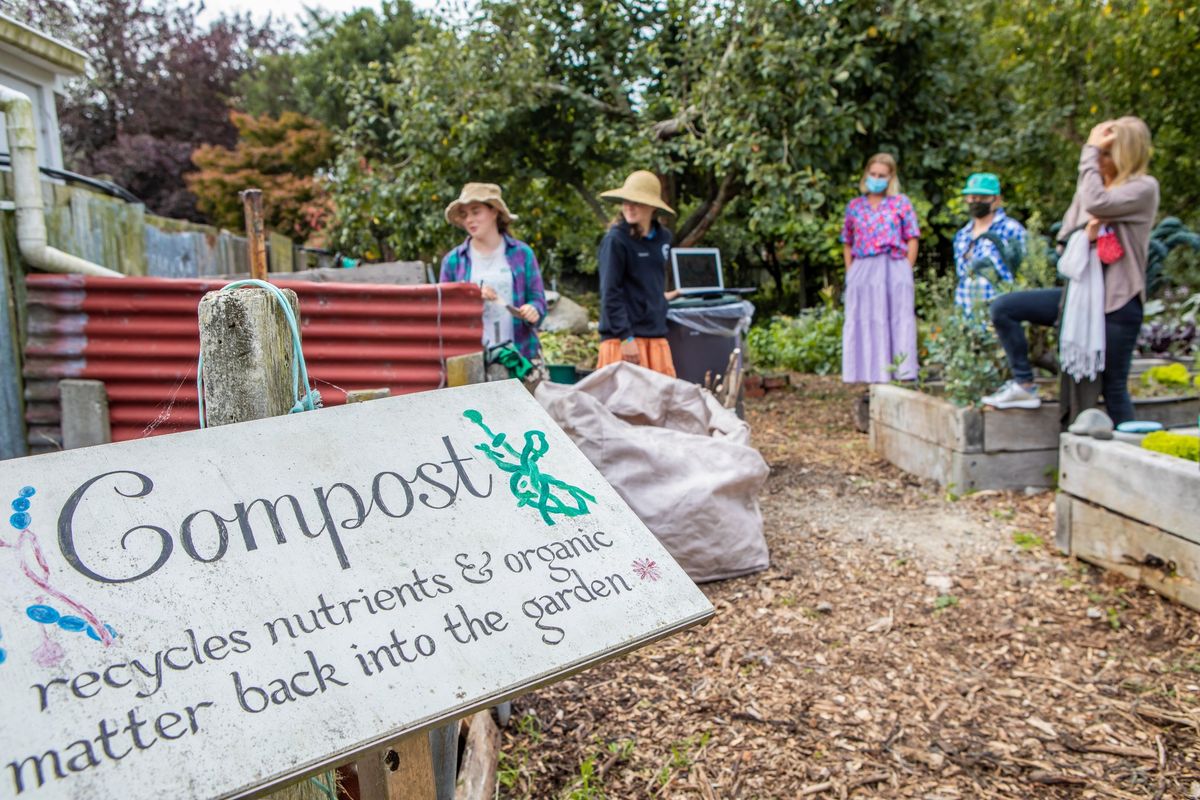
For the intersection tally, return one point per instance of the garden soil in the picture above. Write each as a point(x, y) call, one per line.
point(904, 643)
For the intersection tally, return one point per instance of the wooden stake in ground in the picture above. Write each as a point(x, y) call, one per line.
point(255, 235)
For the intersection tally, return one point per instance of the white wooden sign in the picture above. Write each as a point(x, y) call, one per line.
point(209, 613)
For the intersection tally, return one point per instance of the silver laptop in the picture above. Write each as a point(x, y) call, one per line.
point(697, 272)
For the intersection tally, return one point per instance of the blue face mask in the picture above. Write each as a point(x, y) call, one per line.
point(877, 185)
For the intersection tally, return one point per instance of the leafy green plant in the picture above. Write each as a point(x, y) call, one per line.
point(561, 347)
point(964, 352)
point(944, 601)
point(1027, 541)
point(587, 785)
point(810, 342)
point(512, 771)
point(1174, 375)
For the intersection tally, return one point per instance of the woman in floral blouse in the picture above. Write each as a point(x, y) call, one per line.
point(880, 248)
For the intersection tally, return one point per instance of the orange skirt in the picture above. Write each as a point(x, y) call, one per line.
point(655, 354)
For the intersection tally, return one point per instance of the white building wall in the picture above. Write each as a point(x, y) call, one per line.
point(38, 85)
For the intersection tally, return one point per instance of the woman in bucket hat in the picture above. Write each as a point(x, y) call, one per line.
point(505, 269)
point(879, 239)
point(988, 248)
point(633, 258)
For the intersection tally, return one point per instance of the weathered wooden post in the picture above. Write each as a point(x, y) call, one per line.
point(246, 347)
point(255, 235)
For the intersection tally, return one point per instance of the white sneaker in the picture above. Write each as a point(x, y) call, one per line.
point(1014, 395)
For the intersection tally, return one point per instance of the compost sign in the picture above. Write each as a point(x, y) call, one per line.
point(209, 613)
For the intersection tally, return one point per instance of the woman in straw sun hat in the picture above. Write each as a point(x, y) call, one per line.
point(506, 269)
point(633, 257)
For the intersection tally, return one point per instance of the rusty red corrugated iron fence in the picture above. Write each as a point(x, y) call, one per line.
point(141, 337)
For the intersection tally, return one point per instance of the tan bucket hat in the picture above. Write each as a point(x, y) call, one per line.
point(488, 193)
point(640, 187)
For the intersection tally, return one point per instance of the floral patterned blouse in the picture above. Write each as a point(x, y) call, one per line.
point(884, 230)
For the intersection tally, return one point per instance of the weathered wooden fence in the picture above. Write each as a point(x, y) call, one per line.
point(122, 236)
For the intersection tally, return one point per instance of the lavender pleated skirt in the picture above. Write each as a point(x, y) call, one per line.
point(881, 321)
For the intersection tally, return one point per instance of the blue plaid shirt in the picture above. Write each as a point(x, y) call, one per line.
point(974, 289)
point(527, 286)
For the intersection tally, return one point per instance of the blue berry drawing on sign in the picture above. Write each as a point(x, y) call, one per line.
point(33, 565)
point(528, 484)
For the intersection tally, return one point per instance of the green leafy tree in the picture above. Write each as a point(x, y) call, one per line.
point(309, 80)
point(1072, 64)
point(758, 114)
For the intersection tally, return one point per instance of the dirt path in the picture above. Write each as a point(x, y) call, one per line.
point(904, 643)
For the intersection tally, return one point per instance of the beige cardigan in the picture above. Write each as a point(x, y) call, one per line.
point(1130, 209)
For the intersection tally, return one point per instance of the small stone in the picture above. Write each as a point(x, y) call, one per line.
point(943, 583)
point(862, 714)
point(1095, 613)
point(824, 607)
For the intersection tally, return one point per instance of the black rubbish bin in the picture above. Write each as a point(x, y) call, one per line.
point(703, 333)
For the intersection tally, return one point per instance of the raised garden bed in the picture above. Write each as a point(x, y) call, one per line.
point(1132, 511)
point(974, 448)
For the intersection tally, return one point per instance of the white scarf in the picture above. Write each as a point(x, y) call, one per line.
point(1081, 339)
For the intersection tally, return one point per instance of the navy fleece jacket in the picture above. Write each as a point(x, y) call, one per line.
point(632, 281)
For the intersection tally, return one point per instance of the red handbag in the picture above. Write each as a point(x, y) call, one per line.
point(1108, 246)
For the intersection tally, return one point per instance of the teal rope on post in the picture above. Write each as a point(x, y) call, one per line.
point(323, 784)
point(309, 398)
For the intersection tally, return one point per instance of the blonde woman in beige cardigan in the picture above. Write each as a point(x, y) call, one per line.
point(1114, 197)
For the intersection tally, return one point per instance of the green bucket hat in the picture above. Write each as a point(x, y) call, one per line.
point(982, 183)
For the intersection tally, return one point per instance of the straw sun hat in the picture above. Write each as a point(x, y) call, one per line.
point(486, 193)
point(640, 187)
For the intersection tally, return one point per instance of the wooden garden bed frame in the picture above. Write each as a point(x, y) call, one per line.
point(1132, 511)
point(972, 448)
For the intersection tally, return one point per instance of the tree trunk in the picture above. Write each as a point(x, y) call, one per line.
point(592, 201)
point(711, 211)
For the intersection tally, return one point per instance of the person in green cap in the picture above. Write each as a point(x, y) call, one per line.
point(987, 249)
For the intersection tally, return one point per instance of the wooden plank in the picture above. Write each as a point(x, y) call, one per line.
point(1156, 489)
point(1171, 412)
point(964, 471)
point(927, 417)
point(132, 244)
point(910, 453)
point(1005, 470)
point(477, 778)
point(1062, 522)
point(402, 771)
point(1166, 563)
point(280, 252)
point(465, 369)
point(1014, 429)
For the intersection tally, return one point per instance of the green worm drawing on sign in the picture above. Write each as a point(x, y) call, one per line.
point(527, 482)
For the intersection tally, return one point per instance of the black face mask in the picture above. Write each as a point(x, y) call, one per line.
point(980, 209)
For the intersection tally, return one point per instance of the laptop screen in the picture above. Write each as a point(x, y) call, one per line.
point(697, 269)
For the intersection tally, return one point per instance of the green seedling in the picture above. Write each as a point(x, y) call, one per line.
point(1027, 541)
point(944, 601)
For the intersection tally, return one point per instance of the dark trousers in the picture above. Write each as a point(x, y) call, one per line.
point(1040, 307)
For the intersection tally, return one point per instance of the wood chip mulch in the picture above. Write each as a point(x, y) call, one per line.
point(904, 643)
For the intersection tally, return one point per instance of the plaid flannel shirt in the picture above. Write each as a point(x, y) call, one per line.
point(527, 286)
point(974, 289)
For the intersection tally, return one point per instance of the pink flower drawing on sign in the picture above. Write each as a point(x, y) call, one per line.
point(646, 569)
